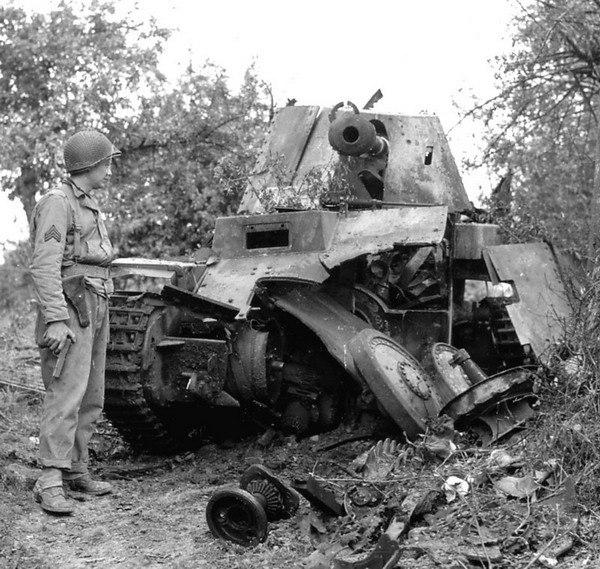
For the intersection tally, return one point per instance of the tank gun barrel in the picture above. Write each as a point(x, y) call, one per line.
point(352, 134)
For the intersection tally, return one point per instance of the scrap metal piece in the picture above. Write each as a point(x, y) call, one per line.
point(204, 391)
point(365, 496)
point(402, 387)
point(319, 497)
point(503, 419)
point(380, 230)
point(380, 460)
point(387, 550)
point(494, 401)
point(375, 97)
point(385, 553)
point(471, 238)
point(201, 361)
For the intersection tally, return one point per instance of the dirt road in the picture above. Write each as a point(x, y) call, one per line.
point(154, 518)
point(156, 515)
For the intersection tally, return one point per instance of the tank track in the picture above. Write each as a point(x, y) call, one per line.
point(506, 340)
point(125, 403)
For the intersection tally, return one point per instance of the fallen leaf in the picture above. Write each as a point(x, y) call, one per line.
point(517, 487)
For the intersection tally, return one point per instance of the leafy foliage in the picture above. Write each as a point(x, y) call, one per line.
point(15, 287)
point(542, 127)
point(81, 66)
point(168, 191)
point(75, 67)
point(543, 131)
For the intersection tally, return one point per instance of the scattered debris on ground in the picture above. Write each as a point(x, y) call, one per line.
point(366, 501)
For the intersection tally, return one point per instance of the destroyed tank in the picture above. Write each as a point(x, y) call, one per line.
point(354, 264)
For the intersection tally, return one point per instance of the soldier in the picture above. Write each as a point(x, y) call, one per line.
point(70, 271)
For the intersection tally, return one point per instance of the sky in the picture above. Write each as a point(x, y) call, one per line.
point(423, 55)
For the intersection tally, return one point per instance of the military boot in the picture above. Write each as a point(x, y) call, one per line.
point(53, 499)
point(86, 485)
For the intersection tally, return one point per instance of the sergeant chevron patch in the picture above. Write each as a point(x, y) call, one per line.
point(52, 233)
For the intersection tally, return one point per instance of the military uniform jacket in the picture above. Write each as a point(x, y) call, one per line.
point(66, 229)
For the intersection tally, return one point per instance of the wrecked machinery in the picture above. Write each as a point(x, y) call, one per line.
point(352, 280)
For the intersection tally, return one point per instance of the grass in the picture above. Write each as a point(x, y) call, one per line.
point(567, 427)
point(565, 431)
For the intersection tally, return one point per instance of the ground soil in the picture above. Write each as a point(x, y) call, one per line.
point(156, 516)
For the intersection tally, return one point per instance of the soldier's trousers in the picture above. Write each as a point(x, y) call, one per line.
point(73, 403)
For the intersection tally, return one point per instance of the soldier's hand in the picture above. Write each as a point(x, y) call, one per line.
point(56, 335)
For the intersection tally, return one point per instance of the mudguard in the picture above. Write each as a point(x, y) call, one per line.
point(401, 386)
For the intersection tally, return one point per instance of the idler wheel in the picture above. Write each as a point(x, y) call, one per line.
point(237, 515)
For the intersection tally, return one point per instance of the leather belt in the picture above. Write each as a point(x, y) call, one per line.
point(87, 270)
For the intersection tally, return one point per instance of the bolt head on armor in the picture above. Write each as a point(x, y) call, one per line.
point(86, 149)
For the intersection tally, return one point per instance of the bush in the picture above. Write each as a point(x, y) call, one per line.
point(16, 288)
point(567, 428)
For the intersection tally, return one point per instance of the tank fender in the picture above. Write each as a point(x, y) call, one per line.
point(333, 324)
point(400, 384)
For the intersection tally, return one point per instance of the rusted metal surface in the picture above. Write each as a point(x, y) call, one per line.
point(420, 166)
point(233, 281)
point(304, 247)
point(385, 554)
point(482, 397)
point(415, 329)
point(542, 305)
point(318, 155)
point(334, 325)
point(378, 231)
point(408, 177)
point(319, 496)
point(291, 247)
point(281, 151)
point(157, 268)
point(275, 234)
point(503, 419)
point(450, 380)
point(471, 238)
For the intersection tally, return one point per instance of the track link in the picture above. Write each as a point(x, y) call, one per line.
point(506, 340)
point(125, 403)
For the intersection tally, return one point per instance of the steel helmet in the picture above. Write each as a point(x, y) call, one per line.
point(86, 149)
